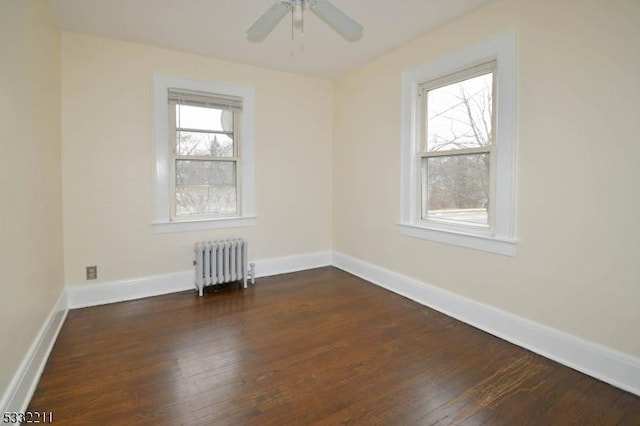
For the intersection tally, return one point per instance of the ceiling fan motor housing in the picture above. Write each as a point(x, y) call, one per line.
point(334, 17)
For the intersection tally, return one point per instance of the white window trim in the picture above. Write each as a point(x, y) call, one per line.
point(162, 222)
point(502, 240)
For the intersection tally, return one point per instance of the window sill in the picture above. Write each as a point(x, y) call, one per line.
point(200, 225)
point(490, 244)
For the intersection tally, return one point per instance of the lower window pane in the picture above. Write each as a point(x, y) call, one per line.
point(200, 172)
point(205, 187)
point(192, 200)
point(456, 188)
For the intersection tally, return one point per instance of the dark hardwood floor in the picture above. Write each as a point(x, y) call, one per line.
point(314, 347)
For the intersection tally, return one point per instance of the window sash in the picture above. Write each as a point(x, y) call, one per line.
point(235, 161)
point(460, 76)
point(213, 132)
point(425, 195)
point(422, 152)
point(174, 157)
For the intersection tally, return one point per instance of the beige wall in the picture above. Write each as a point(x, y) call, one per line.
point(578, 196)
point(107, 152)
point(31, 272)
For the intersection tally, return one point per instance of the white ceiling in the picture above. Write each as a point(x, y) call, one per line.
point(217, 28)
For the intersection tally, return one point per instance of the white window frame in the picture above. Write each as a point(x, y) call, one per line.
point(163, 222)
point(500, 237)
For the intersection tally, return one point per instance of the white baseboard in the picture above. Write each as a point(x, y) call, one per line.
point(81, 296)
point(20, 390)
point(84, 295)
point(616, 368)
point(283, 265)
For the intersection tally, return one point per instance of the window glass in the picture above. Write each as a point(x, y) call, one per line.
point(205, 187)
point(203, 118)
point(204, 144)
point(459, 114)
point(457, 188)
point(204, 184)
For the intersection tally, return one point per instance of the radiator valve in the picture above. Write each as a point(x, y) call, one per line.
point(252, 272)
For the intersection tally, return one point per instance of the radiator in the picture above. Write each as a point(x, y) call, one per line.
point(219, 262)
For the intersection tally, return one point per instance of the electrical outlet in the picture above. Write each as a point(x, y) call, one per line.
point(92, 272)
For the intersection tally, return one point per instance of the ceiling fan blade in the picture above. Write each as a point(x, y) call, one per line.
point(340, 22)
point(265, 24)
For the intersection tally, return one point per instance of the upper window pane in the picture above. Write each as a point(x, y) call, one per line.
point(203, 118)
point(204, 144)
point(459, 114)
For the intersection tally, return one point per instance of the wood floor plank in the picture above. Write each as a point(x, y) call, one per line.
point(314, 347)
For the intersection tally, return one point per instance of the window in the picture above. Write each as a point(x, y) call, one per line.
point(204, 155)
point(458, 148)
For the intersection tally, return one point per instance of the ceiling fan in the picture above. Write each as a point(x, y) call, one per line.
point(344, 25)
